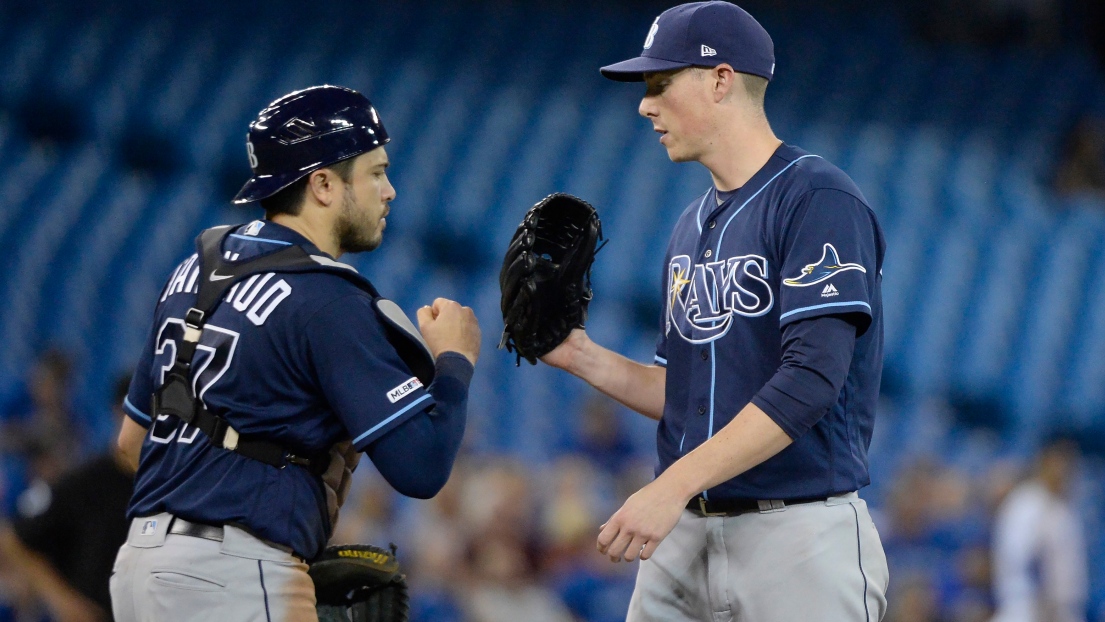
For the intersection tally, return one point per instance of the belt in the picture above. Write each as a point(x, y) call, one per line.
point(181, 527)
point(736, 507)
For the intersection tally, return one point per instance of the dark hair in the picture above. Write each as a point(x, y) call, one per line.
point(290, 200)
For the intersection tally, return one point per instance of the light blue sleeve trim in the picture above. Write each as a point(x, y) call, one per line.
point(391, 418)
point(253, 239)
point(134, 411)
point(855, 303)
point(661, 360)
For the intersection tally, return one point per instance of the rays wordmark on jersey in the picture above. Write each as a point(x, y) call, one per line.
point(704, 297)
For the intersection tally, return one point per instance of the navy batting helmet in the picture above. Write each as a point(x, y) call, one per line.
point(304, 131)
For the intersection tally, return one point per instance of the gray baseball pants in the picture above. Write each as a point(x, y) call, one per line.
point(813, 562)
point(163, 577)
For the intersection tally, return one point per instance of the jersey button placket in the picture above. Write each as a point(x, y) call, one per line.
point(702, 409)
point(709, 253)
point(705, 354)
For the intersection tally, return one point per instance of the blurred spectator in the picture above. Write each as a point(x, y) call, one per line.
point(571, 511)
point(438, 574)
point(38, 435)
point(64, 551)
point(934, 531)
point(925, 506)
point(498, 499)
point(600, 435)
point(475, 546)
point(1040, 571)
point(591, 587)
point(912, 598)
point(368, 516)
point(41, 412)
point(1081, 166)
point(436, 549)
point(505, 589)
point(968, 595)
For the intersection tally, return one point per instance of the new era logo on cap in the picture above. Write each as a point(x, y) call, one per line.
point(708, 51)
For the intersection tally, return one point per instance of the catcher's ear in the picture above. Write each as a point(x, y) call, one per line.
point(323, 188)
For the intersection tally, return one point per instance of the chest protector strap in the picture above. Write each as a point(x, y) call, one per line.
point(176, 396)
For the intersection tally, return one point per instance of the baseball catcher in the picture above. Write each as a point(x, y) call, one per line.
point(546, 275)
point(359, 583)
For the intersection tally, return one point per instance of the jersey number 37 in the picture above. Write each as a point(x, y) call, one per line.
point(214, 354)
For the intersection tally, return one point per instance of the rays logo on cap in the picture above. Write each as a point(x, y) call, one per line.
point(652, 33)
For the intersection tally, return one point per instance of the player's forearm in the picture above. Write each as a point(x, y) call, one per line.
point(128, 448)
point(42, 578)
point(417, 457)
point(749, 439)
point(640, 387)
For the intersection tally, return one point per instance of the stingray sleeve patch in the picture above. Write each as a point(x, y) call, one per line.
point(402, 390)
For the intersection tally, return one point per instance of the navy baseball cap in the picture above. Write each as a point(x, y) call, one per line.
point(304, 131)
point(701, 34)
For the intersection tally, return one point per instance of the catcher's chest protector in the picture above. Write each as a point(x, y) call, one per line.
point(217, 275)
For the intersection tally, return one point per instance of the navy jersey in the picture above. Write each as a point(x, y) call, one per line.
point(300, 359)
point(797, 241)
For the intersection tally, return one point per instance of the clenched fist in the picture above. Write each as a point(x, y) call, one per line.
point(449, 327)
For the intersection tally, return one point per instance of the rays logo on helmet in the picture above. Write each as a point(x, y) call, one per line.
point(703, 298)
point(825, 268)
point(252, 155)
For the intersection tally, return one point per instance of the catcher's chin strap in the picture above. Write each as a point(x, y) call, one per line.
point(176, 396)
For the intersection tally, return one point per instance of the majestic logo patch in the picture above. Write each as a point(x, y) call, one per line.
point(402, 390)
point(703, 298)
point(825, 268)
point(829, 291)
point(708, 51)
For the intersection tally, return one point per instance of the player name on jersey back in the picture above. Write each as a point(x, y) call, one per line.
point(257, 296)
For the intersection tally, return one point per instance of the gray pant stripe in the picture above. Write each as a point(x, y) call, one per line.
point(260, 571)
point(859, 552)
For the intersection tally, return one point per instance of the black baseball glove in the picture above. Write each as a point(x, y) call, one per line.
point(546, 276)
point(359, 583)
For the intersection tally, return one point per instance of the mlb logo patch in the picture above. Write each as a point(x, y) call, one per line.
point(149, 527)
point(404, 389)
